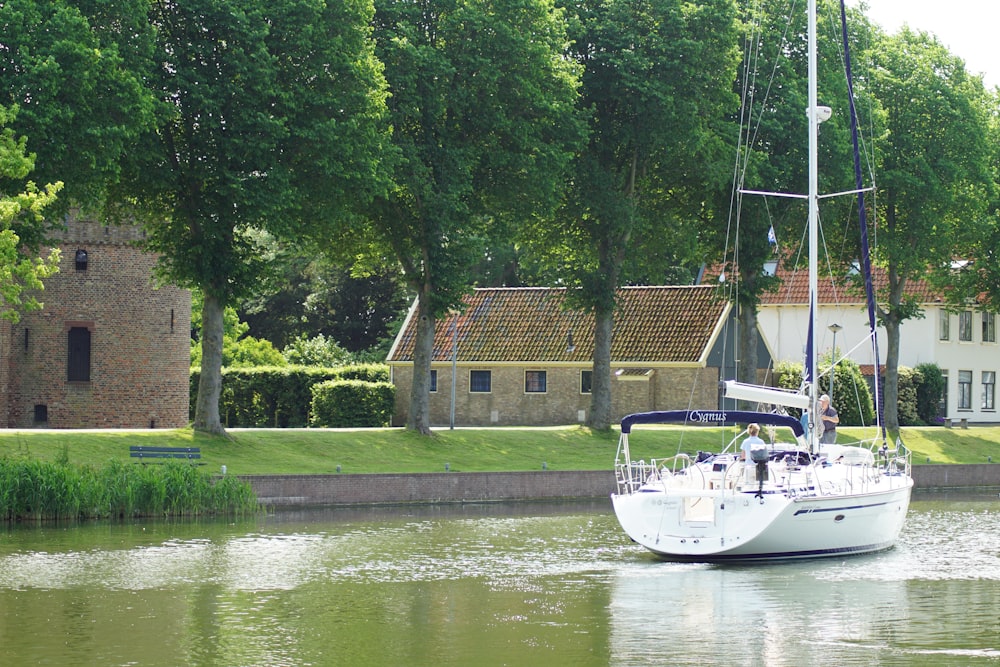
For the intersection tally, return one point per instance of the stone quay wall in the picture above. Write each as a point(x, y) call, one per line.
point(459, 487)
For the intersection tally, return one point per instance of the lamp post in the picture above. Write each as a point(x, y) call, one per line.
point(833, 357)
point(454, 371)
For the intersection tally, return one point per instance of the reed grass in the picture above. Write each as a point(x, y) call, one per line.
point(38, 490)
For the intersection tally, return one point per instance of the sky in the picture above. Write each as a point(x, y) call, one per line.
point(967, 27)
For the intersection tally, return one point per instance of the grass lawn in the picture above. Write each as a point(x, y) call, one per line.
point(320, 451)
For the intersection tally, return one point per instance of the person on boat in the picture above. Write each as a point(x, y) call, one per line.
point(830, 420)
point(753, 438)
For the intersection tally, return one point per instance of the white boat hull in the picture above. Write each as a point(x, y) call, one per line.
point(731, 525)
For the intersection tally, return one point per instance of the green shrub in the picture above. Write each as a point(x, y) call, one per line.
point(852, 396)
point(930, 389)
point(352, 404)
point(316, 351)
point(906, 410)
point(278, 397)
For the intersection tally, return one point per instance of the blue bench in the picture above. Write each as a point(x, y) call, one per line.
point(157, 454)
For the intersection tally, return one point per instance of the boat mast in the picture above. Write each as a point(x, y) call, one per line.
point(813, 200)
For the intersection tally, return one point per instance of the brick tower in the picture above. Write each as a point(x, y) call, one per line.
point(108, 350)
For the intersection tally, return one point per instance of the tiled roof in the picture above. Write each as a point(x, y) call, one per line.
point(794, 288)
point(666, 325)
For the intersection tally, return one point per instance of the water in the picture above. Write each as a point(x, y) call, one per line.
point(552, 584)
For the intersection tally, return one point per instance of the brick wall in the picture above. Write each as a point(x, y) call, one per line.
point(562, 403)
point(499, 486)
point(430, 487)
point(139, 341)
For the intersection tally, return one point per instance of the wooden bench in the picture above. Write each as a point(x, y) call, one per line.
point(143, 452)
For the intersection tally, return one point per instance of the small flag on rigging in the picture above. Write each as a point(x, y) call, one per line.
point(771, 238)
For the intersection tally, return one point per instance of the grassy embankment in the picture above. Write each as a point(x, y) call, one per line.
point(320, 451)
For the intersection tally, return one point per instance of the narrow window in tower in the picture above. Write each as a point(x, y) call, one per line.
point(81, 260)
point(78, 359)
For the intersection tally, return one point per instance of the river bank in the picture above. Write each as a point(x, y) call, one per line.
point(461, 487)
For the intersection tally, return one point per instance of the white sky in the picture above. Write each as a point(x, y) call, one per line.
point(969, 28)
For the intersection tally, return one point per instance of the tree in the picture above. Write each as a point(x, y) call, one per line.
point(774, 158)
point(270, 116)
point(313, 294)
point(239, 350)
point(657, 80)
point(20, 213)
point(979, 272)
point(935, 180)
point(72, 68)
point(483, 115)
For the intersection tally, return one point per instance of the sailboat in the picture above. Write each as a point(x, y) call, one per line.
point(790, 498)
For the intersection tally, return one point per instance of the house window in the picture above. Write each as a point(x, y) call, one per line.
point(534, 382)
point(41, 413)
point(965, 325)
point(586, 381)
point(78, 358)
point(481, 381)
point(989, 390)
point(965, 390)
point(434, 380)
point(944, 325)
point(81, 260)
point(989, 327)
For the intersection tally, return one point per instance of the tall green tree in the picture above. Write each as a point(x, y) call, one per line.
point(483, 114)
point(773, 154)
point(21, 269)
point(979, 273)
point(270, 117)
point(313, 295)
point(935, 180)
point(72, 68)
point(657, 83)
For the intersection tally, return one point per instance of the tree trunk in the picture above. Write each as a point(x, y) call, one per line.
point(600, 397)
point(747, 368)
point(206, 410)
point(891, 388)
point(419, 418)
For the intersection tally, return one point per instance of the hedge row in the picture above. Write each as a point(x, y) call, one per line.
point(281, 397)
point(352, 404)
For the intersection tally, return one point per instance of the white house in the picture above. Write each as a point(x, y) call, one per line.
point(964, 344)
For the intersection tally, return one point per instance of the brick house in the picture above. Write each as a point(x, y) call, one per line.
point(521, 358)
point(108, 350)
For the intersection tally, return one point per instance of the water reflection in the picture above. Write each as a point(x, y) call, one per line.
point(489, 584)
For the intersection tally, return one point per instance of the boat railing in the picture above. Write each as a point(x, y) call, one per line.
point(897, 460)
point(631, 474)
